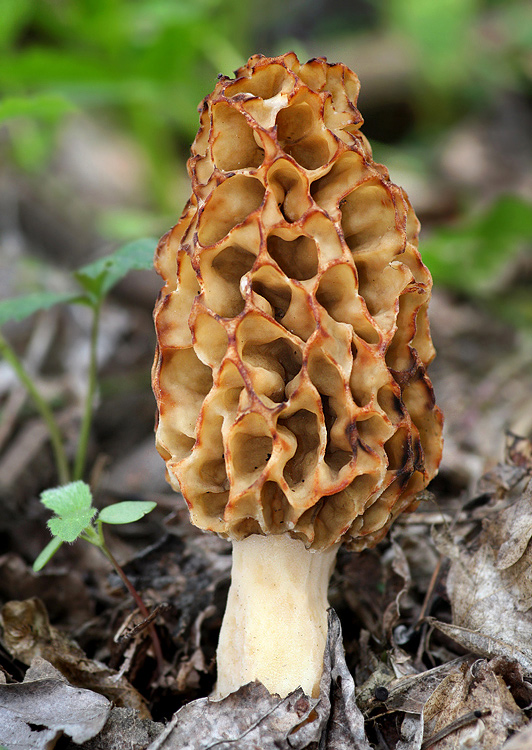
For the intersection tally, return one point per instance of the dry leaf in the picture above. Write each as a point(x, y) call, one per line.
point(28, 634)
point(511, 532)
point(252, 718)
point(472, 688)
point(483, 645)
point(520, 741)
point(35, 713)
point(411, 733)
point(409, 694)
point(493, 575)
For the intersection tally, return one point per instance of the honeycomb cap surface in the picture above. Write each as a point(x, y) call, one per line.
point(293, 338)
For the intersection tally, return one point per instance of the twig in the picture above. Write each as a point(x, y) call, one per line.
point(462, 721)
point(430, 591)
point(135, 630)
point(142, 607)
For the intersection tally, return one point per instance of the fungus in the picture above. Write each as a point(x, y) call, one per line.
point(295, 412)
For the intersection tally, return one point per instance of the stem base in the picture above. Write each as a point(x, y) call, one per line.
point(275, 625)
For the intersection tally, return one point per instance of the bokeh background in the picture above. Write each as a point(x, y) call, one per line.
point(98, 110)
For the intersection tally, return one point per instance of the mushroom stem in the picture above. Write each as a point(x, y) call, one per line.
point(275, 626)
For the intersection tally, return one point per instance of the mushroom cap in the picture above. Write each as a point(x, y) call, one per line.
point(293, 338)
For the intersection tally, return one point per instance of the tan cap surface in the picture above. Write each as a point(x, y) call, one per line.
point(292, 328)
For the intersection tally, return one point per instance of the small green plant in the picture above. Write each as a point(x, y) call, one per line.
point(76, 518)
point(94, 281)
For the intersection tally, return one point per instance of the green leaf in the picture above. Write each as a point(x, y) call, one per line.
point(47, 553)
point(38, 67)
point(13, 15)
point(19, 308)
point(472, 257)
point(99, 277)
point(515, 307)
point(72, 504)
point(126, 224)
point(126, 512)
point(50, 107)
point(439, 33)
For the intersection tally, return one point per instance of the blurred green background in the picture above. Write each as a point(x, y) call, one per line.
point(99, 107)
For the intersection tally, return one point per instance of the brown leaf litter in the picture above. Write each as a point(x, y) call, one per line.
point(39, 710)
point(253, 718)
point(27, 634)
point(444, 659)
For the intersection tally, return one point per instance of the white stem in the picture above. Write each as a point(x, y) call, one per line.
point(275, 626)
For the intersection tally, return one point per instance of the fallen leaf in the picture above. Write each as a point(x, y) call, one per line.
point(491, 575)
point(483, 645)
point(36, 712)
point(520, 741)
point(472, 688)
point(409, 694)
point(252, 718)
point(342, 720)
point(28, 634)
point(511, 532)
point(411, 733)
point(519, 451)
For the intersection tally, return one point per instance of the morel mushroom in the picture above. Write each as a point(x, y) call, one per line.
point(295, 413)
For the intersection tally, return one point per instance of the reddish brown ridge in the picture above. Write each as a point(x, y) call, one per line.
point(293, 338)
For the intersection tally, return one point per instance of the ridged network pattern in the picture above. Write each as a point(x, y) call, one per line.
point(293, 338)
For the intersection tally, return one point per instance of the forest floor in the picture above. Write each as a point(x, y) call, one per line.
point(436, 619)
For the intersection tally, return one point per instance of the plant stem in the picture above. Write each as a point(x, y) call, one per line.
point(44, 410)
point(142, 607)
point(84, 434)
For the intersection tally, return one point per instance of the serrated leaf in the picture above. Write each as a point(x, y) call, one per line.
point(72, 504)
point(47, 553)
point(19, 308)
point(128, 511)
point(99, 277)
